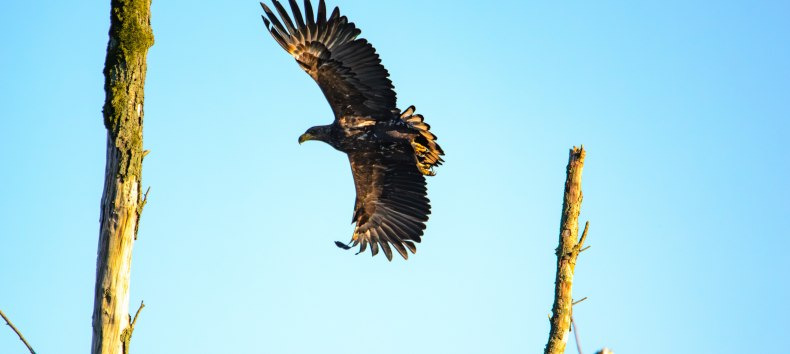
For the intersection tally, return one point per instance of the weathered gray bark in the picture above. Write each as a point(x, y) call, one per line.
point(567, 252)
point(122, 200)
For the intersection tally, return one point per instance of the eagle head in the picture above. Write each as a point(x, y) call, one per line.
point(320, 133)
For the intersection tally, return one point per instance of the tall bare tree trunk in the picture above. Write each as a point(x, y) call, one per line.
point(122, 200)
point(567, 252)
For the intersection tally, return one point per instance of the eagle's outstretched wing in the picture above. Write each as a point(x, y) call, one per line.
point(392, 204)
point(347, 68)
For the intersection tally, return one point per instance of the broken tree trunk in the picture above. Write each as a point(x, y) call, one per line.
point(122, 200)
point(567, 252)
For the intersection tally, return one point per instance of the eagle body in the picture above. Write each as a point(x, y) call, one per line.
point(357, 134)
point(390, 151)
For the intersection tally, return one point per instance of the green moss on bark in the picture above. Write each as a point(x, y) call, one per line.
point(134, 30)
point(124, 70)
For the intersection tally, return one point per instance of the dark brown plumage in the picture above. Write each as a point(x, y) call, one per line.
point(390, 151)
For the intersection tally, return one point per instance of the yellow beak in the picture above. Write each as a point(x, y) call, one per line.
point(305, 137)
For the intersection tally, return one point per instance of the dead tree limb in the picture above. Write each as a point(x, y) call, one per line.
point(567, 252)
point(122, 199)
point(18, 333)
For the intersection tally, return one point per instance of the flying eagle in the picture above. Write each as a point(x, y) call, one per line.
point(391, 151)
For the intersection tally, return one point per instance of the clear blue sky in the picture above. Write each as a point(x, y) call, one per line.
point(683, 107)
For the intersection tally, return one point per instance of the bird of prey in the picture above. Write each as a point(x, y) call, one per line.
point(391, 151)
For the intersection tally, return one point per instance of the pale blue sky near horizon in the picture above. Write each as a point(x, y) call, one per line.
point(683, 106)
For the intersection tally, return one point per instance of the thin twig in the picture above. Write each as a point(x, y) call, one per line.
point(576, 333)
point(21, 337)
point(584, 236)
point(145, 196)
point(142, 305)
point(126, 334)
point(574, 304)
point(140, 207)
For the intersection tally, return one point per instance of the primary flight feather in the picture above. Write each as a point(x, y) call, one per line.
point(390, 151)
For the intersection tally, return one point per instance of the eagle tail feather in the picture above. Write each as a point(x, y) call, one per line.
point(427, 152)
